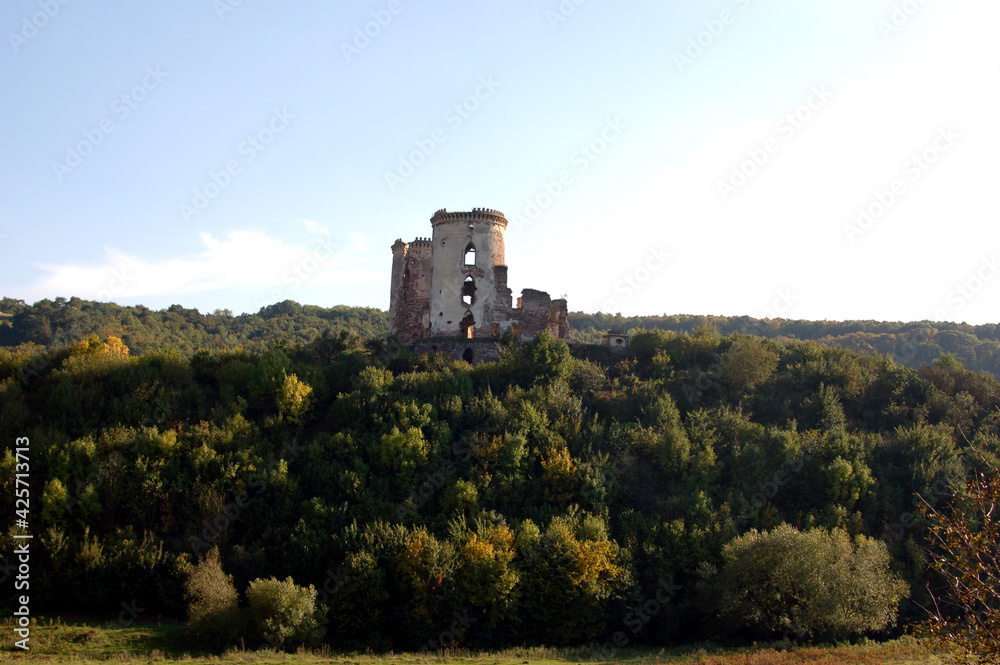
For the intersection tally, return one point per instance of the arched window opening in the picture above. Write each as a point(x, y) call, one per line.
point(468, 356)
point(470, 255)
point(468, 291)
point(468, 326)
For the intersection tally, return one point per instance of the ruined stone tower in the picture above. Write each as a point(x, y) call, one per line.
point(454, 285)
point(469, 282)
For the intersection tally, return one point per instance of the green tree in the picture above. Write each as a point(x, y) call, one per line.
point(284, 614)
point(424, 568)
point(541, 360)
point(214, 616)
point(573, 572)
point(812, 584)
point(747, 364)
point(357, 604)
point(270, 375)
point(485, 578)
point(54, 498)
point(404, 452)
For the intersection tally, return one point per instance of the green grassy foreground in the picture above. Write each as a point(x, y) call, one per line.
point(56, 641)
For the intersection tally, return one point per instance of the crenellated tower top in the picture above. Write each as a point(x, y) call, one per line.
point(416, 243)
point(487, 215)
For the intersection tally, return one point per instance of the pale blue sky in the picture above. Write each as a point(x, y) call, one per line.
point(308, 213)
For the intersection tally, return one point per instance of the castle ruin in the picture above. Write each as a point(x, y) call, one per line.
point(454, 285)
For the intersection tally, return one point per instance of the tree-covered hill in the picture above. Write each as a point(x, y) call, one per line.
point(60, 322)
point(541, 498)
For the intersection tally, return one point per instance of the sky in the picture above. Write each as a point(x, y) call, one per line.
point(819, 160)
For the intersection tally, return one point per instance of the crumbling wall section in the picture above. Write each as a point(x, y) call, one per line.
point(496, 309)
point(559, 319)
point(532, 311)
point(409, 302)
point(399, 249)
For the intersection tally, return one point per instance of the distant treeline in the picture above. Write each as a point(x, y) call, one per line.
point(60, 322)
point(912, 344)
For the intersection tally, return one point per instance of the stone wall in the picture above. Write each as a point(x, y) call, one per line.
point(532, 311)
point(471, 350)
point(409, 301)
point(559, 319)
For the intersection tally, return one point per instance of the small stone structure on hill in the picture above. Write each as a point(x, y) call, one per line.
point(616, 340)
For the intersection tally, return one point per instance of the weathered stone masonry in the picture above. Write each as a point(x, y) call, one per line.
point(454, 285)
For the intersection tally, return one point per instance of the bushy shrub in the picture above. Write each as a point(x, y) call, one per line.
point(812, 584)
point(283, 614)
point(214, 616)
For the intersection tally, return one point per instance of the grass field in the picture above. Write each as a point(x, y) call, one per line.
point(56, 641)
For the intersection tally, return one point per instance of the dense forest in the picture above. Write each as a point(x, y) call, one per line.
point(60, 322)
point(559, 495)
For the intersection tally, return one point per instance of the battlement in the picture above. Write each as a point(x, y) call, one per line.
point(417, 243)
point(477, 215)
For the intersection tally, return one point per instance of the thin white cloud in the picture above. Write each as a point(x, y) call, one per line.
point(242, 261)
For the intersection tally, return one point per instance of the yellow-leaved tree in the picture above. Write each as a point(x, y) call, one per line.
point(485, 579)
point(115, 347)
point(293, 398)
